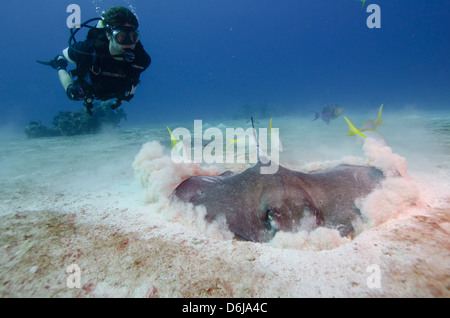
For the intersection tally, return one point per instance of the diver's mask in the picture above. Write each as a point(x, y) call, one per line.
point(125, 35)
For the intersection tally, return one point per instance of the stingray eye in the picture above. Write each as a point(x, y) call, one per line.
point(269, 221)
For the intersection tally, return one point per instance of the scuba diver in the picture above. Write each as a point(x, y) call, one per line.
point(108, 63)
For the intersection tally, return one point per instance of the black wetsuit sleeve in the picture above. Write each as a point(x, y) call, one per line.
point(143, 59)
point(81, 52)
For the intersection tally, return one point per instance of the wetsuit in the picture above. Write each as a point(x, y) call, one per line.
point(101, 76)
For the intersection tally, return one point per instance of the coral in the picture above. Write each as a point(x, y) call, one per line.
point(68, 123)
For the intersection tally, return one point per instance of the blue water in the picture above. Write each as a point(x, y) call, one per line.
point(212, 57)
point(212, 60)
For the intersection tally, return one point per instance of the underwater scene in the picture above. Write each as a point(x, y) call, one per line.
point(226, 149)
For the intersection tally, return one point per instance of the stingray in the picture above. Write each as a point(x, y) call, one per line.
point(256, 206)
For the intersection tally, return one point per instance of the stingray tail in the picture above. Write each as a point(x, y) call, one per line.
point(256, 139)
point(275, 139)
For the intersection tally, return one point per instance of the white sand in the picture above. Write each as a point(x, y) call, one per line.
point(81, 200)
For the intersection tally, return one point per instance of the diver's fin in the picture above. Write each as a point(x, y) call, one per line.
point(352, 130)
point(58, 62)
point(44, 63)
point(379, 121)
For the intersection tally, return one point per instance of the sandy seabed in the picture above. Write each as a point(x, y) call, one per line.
point(64, 202)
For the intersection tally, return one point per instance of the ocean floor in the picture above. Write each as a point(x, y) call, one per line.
point(101, 202)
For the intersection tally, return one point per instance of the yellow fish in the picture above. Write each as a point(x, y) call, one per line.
point(174, 142)
point(368, 129)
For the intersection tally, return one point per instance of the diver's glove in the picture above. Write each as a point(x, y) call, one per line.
point(118, 102)
point(59, 62)
point(127, 97)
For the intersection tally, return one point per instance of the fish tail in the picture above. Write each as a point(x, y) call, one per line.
point(231, 142)
point(182, 150)
point(316, 116)
point(379, 120)
point(173, 140)
point(352, 130)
